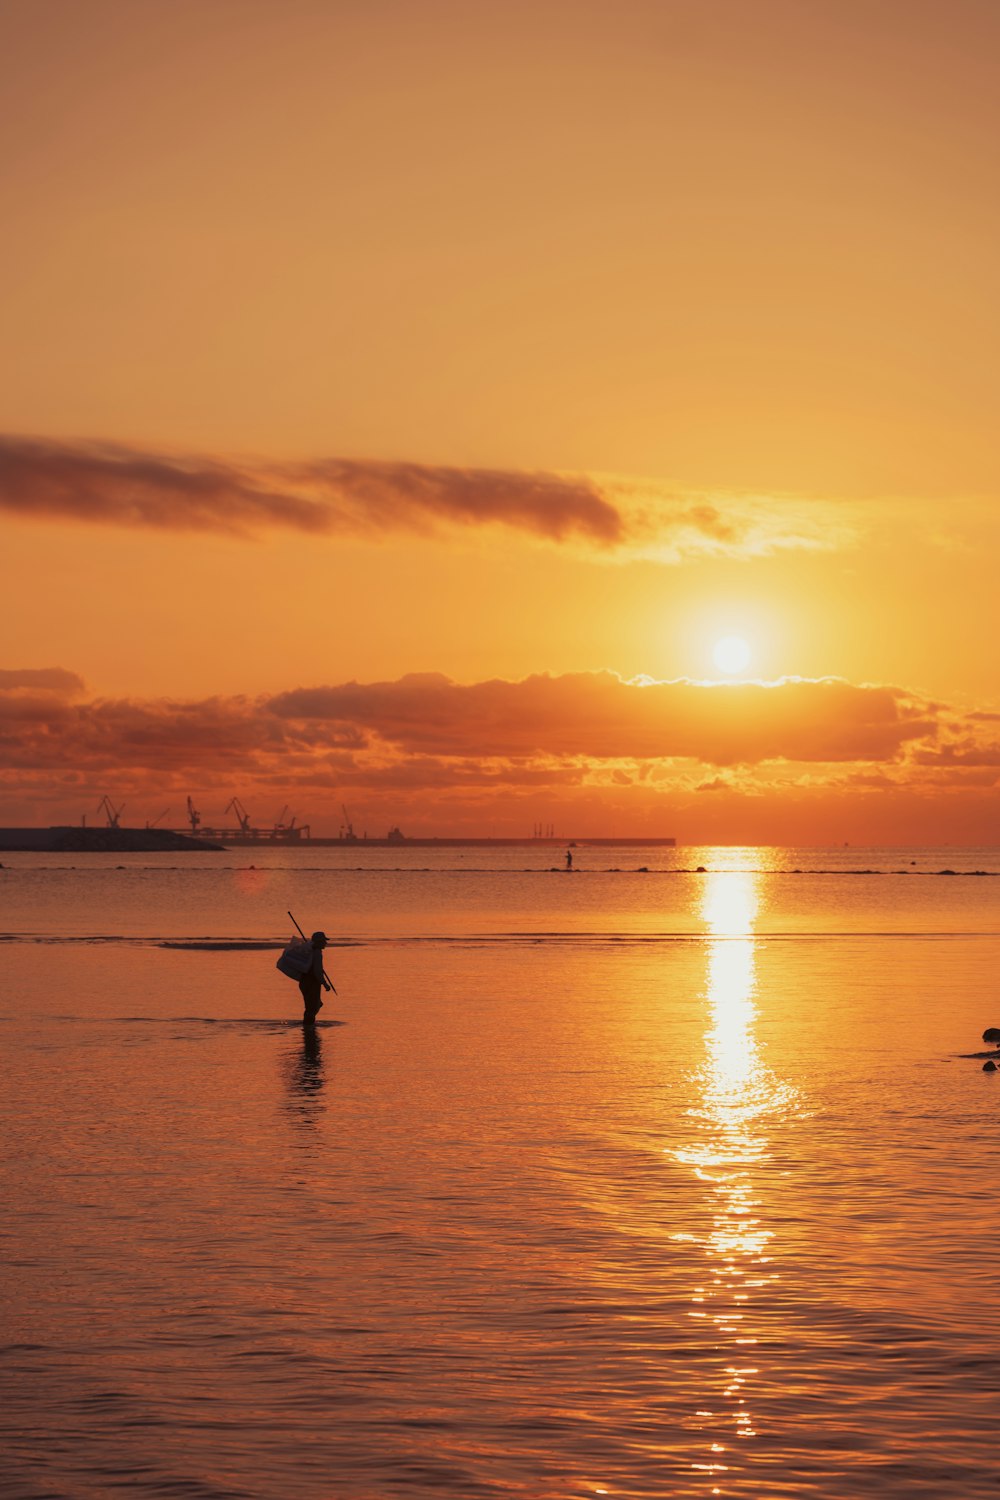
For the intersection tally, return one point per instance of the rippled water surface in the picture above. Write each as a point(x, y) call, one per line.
point(637, 1181)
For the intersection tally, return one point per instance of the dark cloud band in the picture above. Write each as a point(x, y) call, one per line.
point(120, 486)
point(108, 484)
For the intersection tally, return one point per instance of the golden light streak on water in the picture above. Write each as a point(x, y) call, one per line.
point(738, 1094)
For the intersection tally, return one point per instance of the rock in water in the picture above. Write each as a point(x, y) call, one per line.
point(989, 1067)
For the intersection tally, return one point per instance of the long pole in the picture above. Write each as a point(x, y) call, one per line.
point(326, 978)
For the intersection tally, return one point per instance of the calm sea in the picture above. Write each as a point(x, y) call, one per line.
point(639, 1180)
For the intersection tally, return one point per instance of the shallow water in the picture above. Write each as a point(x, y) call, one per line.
point(642, 1184)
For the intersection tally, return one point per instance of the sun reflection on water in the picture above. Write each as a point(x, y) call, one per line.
point(738, 1095)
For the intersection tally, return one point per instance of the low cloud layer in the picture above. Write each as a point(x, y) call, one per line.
point(600, 716)
point(41, 679)
point(113, 485)
point(577, 718)
point(456, 754)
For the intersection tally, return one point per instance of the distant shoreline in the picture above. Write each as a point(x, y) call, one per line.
point(78, 840)
point(75, 840)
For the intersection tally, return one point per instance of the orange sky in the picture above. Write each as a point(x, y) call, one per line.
point(473, 369)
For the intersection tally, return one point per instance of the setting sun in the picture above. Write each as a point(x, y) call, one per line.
point(731, 654)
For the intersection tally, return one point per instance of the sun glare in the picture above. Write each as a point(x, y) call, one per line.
point(731, 654)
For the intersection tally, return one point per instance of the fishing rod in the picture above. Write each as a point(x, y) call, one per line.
point(326, 978)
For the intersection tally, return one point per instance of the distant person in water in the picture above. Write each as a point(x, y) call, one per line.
point(311, 983)
point(569, 859)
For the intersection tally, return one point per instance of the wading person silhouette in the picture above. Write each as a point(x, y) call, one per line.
point(569, 860)
point(311, 983)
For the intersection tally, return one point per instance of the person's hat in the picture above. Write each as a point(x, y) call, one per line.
point(319, 937)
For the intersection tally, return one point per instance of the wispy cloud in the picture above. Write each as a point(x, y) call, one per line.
point(668, 527)
point(613, 517)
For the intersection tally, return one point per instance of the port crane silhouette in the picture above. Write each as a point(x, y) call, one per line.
point(286, 828)
point(111, 812)
point(243, 817)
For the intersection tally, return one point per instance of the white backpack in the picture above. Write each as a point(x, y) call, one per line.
point(297, 958)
